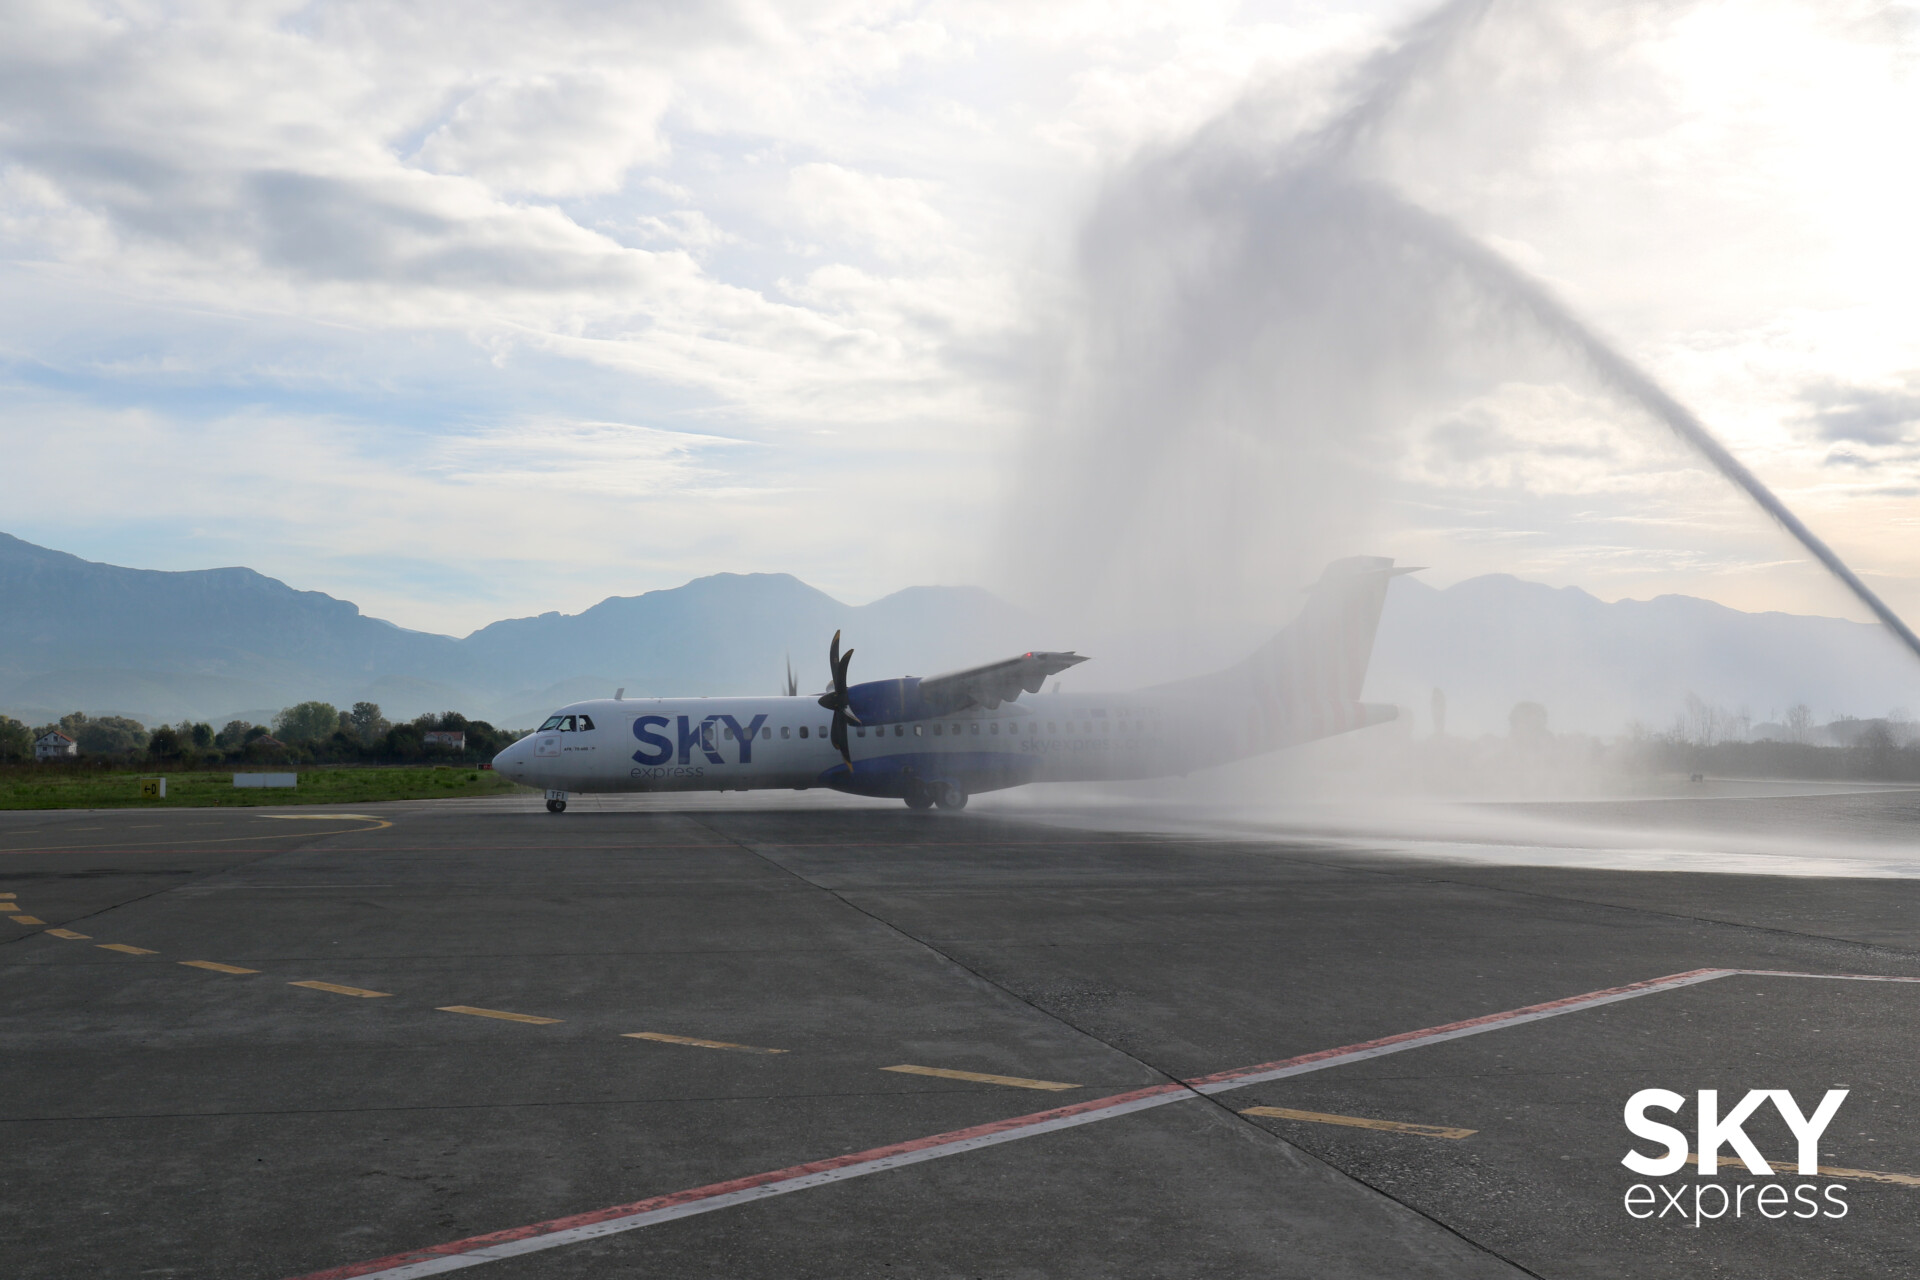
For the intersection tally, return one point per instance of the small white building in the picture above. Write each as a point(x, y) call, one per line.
point(451, 740)
point(55, 745)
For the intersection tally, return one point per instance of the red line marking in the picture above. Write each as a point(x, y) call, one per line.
point(718, 1189)
point(737, 1184)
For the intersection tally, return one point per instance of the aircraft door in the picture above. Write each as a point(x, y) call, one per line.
point(547, 744)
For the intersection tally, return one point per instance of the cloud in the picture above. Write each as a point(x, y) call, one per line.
point(1865, 415)
point(893, 218)
point(553, 135)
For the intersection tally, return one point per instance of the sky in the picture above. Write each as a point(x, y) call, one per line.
point(471, 311)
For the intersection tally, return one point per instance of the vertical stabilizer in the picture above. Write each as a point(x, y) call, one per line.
point(1305, 682)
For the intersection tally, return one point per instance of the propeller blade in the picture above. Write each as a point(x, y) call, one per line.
point(836, 699)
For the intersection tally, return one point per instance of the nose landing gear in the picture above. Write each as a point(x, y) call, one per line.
point(556, 802)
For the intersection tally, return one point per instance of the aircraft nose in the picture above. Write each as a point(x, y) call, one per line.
point(512, 761)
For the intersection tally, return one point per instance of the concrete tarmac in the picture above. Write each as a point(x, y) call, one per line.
point(340, 1085)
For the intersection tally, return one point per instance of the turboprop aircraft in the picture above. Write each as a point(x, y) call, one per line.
point(938, 739)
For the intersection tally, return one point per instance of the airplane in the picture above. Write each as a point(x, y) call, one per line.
point(939, 739)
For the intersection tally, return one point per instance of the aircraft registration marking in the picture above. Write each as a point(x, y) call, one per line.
point(123, 947)
point(339, 990)
point(216, 966)
point(696, 1042)
point(980, 1077)
point(68, 933)
point(501, 1014)
point(1361, 1122)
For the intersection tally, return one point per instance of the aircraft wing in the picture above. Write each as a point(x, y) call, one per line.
point(996, 682)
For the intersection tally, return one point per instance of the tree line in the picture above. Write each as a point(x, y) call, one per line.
point(306, 733)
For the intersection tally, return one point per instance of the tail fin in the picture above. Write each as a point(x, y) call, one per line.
point(1322, 654)
point(1304, 683)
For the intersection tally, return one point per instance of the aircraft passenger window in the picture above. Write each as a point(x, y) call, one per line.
point(785, 732)
point(860, 733)
point(729, 733)
point(976, 728)
point(803, 731)
point(1050, 728)
point(822, 732)
point(586, 724)
point(1033, 726)
point(994, 727)
point(916, 731)
point(899, 731)
point(551, 722)
point(766, 735)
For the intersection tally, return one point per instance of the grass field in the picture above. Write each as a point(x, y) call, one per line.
point(28, 788)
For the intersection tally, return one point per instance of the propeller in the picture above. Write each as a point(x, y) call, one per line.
point(835, 699)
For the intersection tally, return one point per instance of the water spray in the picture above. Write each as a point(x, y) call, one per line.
point(1386, 79)
point(1509, 284)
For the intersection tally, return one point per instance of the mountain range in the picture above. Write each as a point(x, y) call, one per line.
point(219, 644)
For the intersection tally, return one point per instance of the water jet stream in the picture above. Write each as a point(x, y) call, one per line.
point(1387, 78)
point(1509, 284)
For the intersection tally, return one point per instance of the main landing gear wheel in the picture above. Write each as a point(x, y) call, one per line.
point(951, 796)
point(919, 798)
point(556, 806)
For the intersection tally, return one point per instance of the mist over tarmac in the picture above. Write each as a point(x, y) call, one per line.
point(1752, 828)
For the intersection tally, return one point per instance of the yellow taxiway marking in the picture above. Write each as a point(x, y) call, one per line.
point(696, 1042)
point(216, 966)
point(9, 895)
point(328, 817)
point(339, 990)
point(1361, 1122)
point(27, 920)
point(1828, 1171)
point(495, 1013)
point(980, 1077)
point(121, 946)
point(68, 933)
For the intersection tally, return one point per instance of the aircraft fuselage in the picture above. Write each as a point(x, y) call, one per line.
point(739, 744)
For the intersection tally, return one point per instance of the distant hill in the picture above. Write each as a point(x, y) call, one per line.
point(1492, 641)
point(218, 643)
point(80, 635)
point(212, 644)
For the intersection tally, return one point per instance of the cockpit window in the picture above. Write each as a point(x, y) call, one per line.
point(586, 724)
point(552, 722)
point(564, 724)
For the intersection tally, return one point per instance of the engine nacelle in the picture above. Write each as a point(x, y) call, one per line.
point(894, 701)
